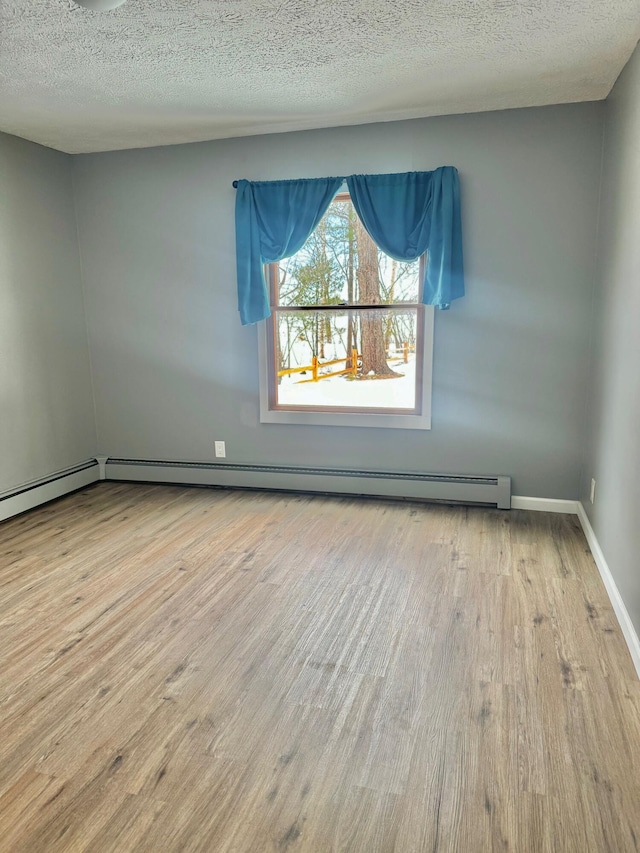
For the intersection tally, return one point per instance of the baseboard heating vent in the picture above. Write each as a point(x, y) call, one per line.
point(458, 488)
point(36, 492)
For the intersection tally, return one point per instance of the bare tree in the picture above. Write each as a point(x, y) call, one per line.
point(351, 331)
point(390, 298)
point(374, 358)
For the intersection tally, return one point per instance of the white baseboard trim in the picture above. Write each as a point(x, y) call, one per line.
point(622, 614)
point(38, 492)
point(544, 504)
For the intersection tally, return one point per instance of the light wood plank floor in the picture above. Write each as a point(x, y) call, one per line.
point(196, 670)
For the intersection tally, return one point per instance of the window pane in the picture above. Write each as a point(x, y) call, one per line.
point(347, 359)
point(340, 263)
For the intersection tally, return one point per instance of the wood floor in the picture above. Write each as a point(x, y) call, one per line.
point(197, 670)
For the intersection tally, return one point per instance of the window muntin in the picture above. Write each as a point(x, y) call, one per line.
point(347, 328)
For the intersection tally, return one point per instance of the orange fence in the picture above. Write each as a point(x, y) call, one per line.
point(353, 370)
point(401, 355)
point(316, 364)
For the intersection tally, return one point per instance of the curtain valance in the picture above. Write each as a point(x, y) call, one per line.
point(406, 214)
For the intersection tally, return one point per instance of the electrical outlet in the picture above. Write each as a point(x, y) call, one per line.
point(592, 493)
point(220, 448)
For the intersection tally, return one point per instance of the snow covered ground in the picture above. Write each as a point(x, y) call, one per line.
point(341, 391)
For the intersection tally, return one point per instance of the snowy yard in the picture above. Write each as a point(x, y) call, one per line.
point(394, 393)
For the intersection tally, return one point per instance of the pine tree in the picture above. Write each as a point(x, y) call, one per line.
point(374, 357)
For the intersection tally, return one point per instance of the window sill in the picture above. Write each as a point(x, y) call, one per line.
point(345, 419)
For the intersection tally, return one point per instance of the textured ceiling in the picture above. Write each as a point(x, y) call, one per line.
point(154, 72)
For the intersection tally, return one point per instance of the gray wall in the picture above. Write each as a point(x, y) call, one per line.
point(613, 450)
point(46, 405)
point(174, 370)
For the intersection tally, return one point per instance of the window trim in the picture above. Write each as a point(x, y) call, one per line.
point(389, 419)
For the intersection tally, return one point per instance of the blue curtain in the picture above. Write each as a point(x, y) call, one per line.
point(415, 212)
point(273, 221)
point(406, 215)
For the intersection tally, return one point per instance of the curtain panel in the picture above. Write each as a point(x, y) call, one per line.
point(411, 213)
point(406, 214)
point(273, 221)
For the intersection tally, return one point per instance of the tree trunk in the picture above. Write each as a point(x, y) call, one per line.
point(351, 340)
point(324, 287)
point(373, 339)
point(390, 318)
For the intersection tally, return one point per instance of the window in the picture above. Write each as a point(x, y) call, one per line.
point(348, 341)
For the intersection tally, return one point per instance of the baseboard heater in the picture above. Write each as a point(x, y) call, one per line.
point(453, 488)
point(41, 491)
